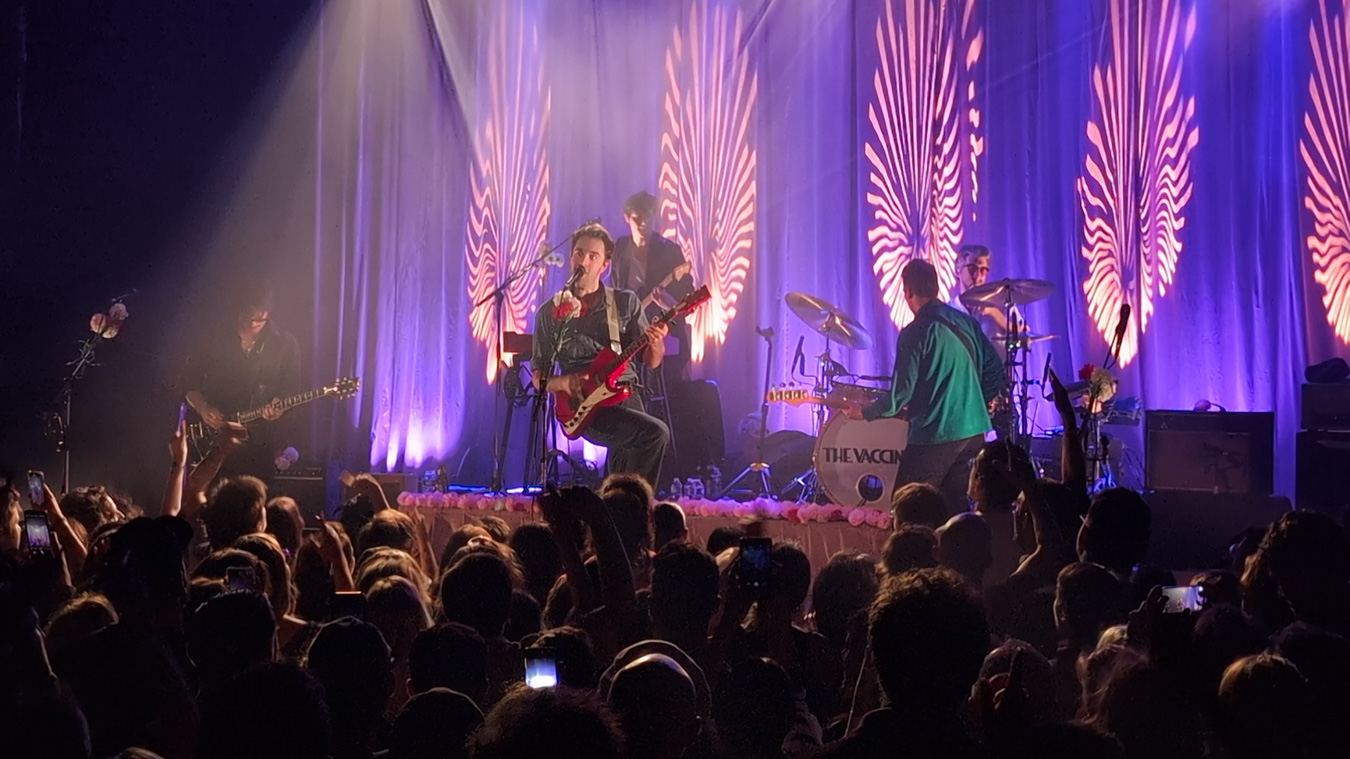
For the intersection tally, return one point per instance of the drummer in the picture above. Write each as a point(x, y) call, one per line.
point(973, 270)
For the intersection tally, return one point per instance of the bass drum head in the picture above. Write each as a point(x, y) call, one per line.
point(856, 461)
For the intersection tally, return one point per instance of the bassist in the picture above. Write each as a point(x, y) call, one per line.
point(575, 326)
point(245, 363)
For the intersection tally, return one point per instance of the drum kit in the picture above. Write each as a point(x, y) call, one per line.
point(854, 462)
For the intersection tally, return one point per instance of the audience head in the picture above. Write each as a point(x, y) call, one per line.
point(267, 549)
point(912, 546)
point(722, 538)
point(389, 528)
point(919, 503)
point(477, 592)
point(274, 711)
point(990, 486)
point(966, 545)
point(285, 523)
point(684, 589)
point(530, 723)
point(527, 618)
point(496, 527)
point(629, 500)
point(351, 659)
point(1038, 678)
point(1116, 530)
point(356, 513)
point(380, 563)
point(1304, 558)
point(668, 524)
point(435, 724)
point(657, 706)
point(450, 656)
point(90, 507)
point(928, 637)
point(395, 606)
point(845, 586)
point(789, 580)
point(229, 634)
point(1265, 709)
point(1088, 599)
point(236, 508)
point(76, 620)
point(1150, 711)
point(755, 707)
point(571, 648)
point(539, 558)
point(459, 539)
point(314, 579)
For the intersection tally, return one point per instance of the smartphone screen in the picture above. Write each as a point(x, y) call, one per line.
point(182, 413)
point(347, 603)
point(37, 533)
point(1183, 598)
point(241, 578)
point(36, 486)
point(541, 668)
point(756, 562)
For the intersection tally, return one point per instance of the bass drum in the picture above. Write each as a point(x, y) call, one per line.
point(856, 461)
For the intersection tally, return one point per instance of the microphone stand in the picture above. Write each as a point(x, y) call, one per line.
point(498, 298)
point(759, 469)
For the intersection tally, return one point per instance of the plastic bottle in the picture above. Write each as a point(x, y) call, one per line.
point(695, 488)
point(676, 489)
point(715, 480)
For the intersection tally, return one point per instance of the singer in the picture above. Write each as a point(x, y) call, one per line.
point(572, 329)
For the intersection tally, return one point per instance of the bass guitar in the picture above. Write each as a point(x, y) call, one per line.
point(202, 436)
point(658, 295)
point(599, 381)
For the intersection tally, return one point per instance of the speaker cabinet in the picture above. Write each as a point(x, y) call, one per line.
point(1221, 452)
point(696, 421)
point(1323, 462)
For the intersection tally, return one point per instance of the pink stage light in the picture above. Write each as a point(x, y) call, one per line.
point(1136, 177)
point(1325, 146)
point(925, 133)
point(707, 181)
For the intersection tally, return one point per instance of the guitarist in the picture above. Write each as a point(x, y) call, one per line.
point(241, 365)
point(650, 265)
point(575, 326)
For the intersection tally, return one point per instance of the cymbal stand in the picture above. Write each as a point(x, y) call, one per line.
point(758, 471)
point(827, 370)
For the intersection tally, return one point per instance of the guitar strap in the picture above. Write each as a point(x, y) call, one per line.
point(612, 316)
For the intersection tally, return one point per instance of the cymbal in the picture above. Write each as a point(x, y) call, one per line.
point(1019, 291)
point(1025, 338)
point(826, 318)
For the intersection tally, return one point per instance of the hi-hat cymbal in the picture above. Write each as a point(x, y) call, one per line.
point(1019, 291)
point(825, 318)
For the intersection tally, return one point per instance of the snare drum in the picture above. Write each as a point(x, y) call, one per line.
point(856, 461)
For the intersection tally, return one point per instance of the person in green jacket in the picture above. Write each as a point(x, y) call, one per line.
point(947, 373)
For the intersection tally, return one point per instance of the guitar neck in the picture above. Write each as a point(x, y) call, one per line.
point(289, 402)
point(663, 284)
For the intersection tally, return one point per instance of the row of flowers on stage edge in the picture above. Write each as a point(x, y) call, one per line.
point(796, 513)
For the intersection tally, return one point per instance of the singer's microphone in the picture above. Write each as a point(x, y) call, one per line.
point(576, 275)
point(797, 358)
point(1124, 321)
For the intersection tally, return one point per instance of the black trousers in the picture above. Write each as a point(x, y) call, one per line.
point(945, 466)
point(636, 440)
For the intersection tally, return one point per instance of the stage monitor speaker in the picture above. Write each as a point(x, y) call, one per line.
point(1215, 452)
point(696, 418)
point(1323, 462)
point(1326, 406)
point(309, 490)
point(1192, 530)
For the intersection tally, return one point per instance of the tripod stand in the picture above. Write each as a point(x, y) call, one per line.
point(758, 471)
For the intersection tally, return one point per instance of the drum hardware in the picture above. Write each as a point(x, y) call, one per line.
point(1012, 419)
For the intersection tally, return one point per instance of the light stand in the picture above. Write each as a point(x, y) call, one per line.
point(758, 471)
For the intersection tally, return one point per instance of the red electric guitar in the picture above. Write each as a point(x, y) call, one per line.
point(599, 381)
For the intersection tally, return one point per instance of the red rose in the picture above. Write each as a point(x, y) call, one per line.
point(1085, 374)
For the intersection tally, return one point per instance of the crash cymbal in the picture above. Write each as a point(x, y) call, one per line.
point(1020, 291)
point(826, 318)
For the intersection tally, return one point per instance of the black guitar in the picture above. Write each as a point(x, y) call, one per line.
point(202, 437)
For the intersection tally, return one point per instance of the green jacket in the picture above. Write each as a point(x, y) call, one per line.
point(946, 372)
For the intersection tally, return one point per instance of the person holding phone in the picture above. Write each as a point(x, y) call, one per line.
point(246, 363)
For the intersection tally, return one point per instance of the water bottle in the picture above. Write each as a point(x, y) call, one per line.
point(695, 489)
point(715, 480)
point(676, 489)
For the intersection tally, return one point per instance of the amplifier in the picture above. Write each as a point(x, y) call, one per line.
point(1323, 460)
point(1326, 406)
point(1216, 452)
